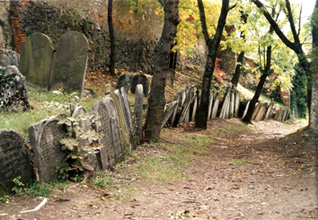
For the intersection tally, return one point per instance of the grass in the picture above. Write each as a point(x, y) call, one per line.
point(240, 161)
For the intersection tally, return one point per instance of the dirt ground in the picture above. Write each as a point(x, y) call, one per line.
point(265, 172)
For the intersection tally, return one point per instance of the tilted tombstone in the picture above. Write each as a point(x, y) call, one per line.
point(9, 58)
point(224, 114)
point(269, 111)
point(261, 112)
point(232, 105)
point(246, 108)
point(114, 123)
point(14, 160)
point(13, 90)
point(70, 62)
point(139, 99)
point(170, 76)
point(195, 106)
point(210, 105)
point(215, 107)
point(45, 139)
point(124, 133)
point(185, 110)
point(168, 112)
point(124, 80)
point(257, 106)
point(103, 127)
point(237, 104)
point(183, 93)
point(172, 120)
point(139, 79)
point(36, 60)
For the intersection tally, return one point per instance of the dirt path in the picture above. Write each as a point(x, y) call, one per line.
point(264, 172)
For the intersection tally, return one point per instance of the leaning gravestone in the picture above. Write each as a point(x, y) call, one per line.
point(269, 111)
point(13, 90)
point(215, 107)
point(261, 112)
point(257, 106)
point(139, 79)
point(124, 80)
point(195, 106)
point(14, 160)
point(70, 62)
point(237, 104)
point(112, 112)
point(210, 105)
point(139, 98)
point(246, 108)
point(184, 118)
point(168, 112)
point(36, 60)
point(9, 58)
point(45, 139)
point(103, 127)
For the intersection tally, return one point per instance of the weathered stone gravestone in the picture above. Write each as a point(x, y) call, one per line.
point(107, 154)
point(210, 105)
point(261, 112)
point(257, 106)
point(237, 104)
point(36, 60)
point(13, 91)
point(168, 112)
point(70, 62)
point(246, 108)
point(9, 58)
point(269, 111)
point(225, 110)
point(14, 160)
point(139, 79)
point(232, 105)
point(45, 139)
point(215, 107)
point(81, 115)
point(139, 98)
point(184, 118)
point(170, 77)
point(195, 106)
point(124, 80)
point(124, 133)
point(173, 121)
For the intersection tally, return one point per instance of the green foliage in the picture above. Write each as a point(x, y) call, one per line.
point(40, 189)
point(141, 6)
point(5, 199)
point(298, 95)
point(19, 187)
point(240, 161)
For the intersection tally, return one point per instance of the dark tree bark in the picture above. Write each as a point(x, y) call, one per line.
point(296, 46)
point(156, 98)
point(212, 45)
point(240, 59)
point(112, 38)
point(313, 121)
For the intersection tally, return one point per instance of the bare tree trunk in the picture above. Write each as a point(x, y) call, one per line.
point(112, 38)
point(212, 45)
point(156, 98)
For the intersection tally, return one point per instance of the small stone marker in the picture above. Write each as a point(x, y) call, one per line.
point(36, 60)
point(14, 160)
point(124, 80)
point(45, 139)
point(139, 79)
point(215, 106)
point(70, 62)
point(170, 77)
point(139, 98)
point(9, 58)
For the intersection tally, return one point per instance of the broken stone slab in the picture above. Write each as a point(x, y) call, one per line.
point(45, 139)
point(15, 161)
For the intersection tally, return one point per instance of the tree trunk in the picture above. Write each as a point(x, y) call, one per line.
point(202, 115)
point(156, 98)
point(237, 74)
point(112, 38)
point(313, 120)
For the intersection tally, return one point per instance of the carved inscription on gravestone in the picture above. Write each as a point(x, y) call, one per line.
point(14, 160)
point(45, 139)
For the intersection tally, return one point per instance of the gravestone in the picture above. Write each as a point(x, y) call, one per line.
point(232, 105)
point(108, 89)
point(112, 112)
point(246, 108)
point(184, 118)
point(139, 99)
point(124, 80)
point(168, 112)
point(107, 151)
point(139, 79)
point(45, 139)
point(14, 160)
point(224, 114)
point(215, 107)
point(170, 76)
point(269, 111)
point(80, 114)
point(210, 105)
point(70, 62)
point(172, 121)
point(13, 90)
point(36, 60)
point(237, 104)
point(195, 106)
point(261, 112)
point(124, 133)
point(127, 112)
point(257, 106)
point(9, 58)
point(183, 93)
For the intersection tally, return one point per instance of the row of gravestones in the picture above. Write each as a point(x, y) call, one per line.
point(111, 119)
point(13, 91)
point(183, 108)
point(54, 68)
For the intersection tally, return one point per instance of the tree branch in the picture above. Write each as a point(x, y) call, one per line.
point(291, 21)
point(203, 22)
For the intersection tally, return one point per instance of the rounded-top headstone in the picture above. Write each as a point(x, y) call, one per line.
point(139, 79)
point(36, 59)
point(70, 62)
